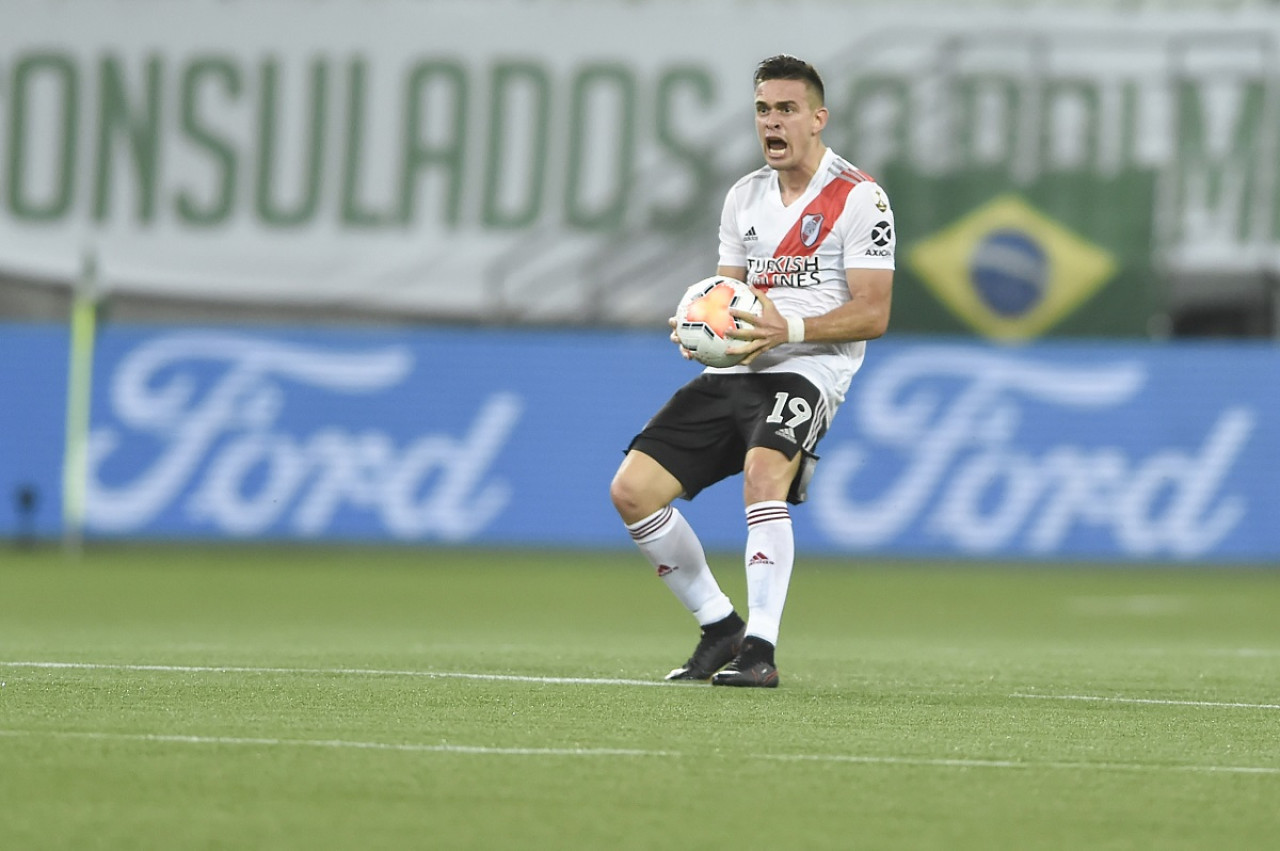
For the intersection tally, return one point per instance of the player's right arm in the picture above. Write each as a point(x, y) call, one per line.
point(732, 246)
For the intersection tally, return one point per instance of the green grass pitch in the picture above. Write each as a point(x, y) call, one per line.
point(177, 697)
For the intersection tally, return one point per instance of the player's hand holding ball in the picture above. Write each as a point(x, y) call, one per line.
point(712, 317)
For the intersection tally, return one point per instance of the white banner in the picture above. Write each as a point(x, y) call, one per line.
point(488, 159)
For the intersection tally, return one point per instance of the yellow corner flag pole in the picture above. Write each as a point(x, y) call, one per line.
point(84, 321)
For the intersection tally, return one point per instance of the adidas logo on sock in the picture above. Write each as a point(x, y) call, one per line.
point(664, 569)
point(760, 558)
point(750, 235)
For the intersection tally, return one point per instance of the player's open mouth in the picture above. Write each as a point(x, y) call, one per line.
point(775, 145)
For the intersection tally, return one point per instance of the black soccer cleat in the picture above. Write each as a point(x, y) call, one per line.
point(716, 648)
point(737, 673)
point(752, 668)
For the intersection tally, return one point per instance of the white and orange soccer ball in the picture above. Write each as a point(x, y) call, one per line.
point(703, 318)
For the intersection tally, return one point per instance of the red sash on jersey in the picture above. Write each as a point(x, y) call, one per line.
point(819, 217)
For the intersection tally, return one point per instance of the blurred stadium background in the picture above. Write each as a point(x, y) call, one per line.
point(370, 270)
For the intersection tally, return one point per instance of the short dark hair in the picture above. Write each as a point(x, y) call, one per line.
point(787, 67)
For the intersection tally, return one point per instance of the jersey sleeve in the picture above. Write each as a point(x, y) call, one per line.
point(870, 238)
point(733, 251)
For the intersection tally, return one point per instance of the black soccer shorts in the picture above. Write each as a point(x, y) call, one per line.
point(702, 434)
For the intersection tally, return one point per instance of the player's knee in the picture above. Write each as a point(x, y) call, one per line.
point(767, 476)
point(754, 492)
point(634, 498)
point(627, 497)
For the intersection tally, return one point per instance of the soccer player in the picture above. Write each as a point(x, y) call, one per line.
point(814, 236)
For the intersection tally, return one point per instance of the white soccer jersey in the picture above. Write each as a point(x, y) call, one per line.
point(799, 254)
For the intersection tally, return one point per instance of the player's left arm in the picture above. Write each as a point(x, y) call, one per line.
point(864, 317)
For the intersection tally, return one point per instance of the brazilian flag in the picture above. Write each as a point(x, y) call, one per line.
point(1064, 255)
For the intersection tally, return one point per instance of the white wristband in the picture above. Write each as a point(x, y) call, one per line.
point(795, 329)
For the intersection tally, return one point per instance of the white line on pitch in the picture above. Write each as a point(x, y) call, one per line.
point(1158, 702)
point(335, 743)
point(372, 672)
point(237, 669)
point(475, 750)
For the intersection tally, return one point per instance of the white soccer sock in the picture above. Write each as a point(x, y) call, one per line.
point(673, 548)
point(770, 555)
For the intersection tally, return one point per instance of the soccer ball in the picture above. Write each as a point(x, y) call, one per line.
point(703, 318)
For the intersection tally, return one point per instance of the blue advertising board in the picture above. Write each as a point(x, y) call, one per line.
point(498, 437)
